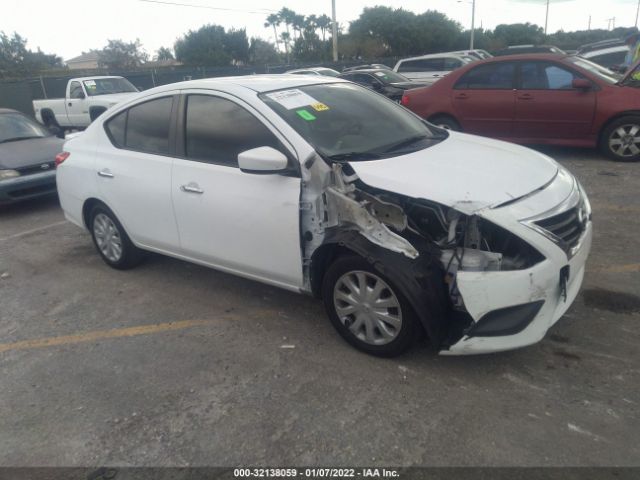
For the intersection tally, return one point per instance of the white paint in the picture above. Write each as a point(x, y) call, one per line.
point(33, 230)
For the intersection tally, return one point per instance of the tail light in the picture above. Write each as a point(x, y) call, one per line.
point(405, 100)
point(61, 157)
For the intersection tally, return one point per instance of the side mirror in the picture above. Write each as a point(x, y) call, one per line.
point(262, 160)
point(581, 84)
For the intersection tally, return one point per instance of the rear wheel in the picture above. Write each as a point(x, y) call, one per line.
point(621, 139)
point(446, 122)
point(367, 310)
point(111, 240)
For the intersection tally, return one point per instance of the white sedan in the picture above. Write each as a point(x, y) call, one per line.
point(320, 186)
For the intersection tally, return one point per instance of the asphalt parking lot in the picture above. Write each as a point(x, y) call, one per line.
point(175, 364)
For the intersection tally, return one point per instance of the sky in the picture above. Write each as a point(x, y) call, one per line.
point(67, 28)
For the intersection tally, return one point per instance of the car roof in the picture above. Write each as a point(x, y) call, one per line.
point(432, 55)
point(604, 51)
point(526, 56)
point(8, 110)
point(257, 83)
point(95, 77)
point(310, 69)
point(368, 70)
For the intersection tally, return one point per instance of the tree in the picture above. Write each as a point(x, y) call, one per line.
point(262, 52)
point(324, 23)
point(164, 53)
point(517, 34)
point(17, 60)
point(285, 38)
point(273, 20)
point(211, 45)
point(119, 54)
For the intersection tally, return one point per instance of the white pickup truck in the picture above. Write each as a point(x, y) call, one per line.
point(86, 98)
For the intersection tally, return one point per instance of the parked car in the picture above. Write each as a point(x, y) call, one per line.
point(388, 83)
point(329, 72)
point(538, 99)
point(522, 49)
point(590, 47)
point(86, 98)
point(430, 68)
point(318, 185)
point(376, 66)
point(477, 53)
point(610, 57)
point(27, 153)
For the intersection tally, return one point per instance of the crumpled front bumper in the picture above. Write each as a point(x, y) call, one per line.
point(484, 292)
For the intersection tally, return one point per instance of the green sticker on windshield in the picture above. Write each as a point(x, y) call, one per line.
point(305, 115)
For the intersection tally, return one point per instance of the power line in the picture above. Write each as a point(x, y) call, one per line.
point(262, 11)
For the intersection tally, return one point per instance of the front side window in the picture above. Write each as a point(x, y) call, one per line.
point(346, 122)
point(217, 130)
point(545, 76)
point(364, 79)
point(75, 90)
point(143, 127)
point(490, 76)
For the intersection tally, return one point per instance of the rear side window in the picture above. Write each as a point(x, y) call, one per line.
point(452, 64)
point(492, 76)
point(217, 130)
point(144, 127)
point(422, 65)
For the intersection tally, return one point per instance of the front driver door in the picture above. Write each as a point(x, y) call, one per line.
point(548, 107)
point(242, 222)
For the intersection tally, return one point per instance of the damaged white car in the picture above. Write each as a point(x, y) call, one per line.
point(321, 186)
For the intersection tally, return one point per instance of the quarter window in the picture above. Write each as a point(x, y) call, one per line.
point(491, 76)
point(144, 127)
point(217, 130)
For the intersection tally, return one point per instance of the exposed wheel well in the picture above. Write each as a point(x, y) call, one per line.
point(48, 116)
point(321, 259)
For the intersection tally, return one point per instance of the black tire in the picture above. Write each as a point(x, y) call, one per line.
point(620, 131)
point(130, 255)
point(446, 122)
point(96, 112)
point(405, 335)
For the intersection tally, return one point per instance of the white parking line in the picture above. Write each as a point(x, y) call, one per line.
point(34, 230)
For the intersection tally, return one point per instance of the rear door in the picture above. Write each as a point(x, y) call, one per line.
point(246, 223)
point(483, 99)
point(547, 106)
point(134, 172)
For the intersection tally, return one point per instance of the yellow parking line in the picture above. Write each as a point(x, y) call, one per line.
point(627, 268)
point(101, 334)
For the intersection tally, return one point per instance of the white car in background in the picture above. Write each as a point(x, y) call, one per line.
point(428, 69)
point(608, 57)
point(328, 72)
point(324, 187)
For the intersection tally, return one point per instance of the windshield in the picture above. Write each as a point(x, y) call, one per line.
point(343, 121)
point(387, 76)
point(14, 126)
point(598, 70)
point(105, 86)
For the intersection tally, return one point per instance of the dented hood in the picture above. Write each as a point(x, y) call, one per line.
point(466, 172)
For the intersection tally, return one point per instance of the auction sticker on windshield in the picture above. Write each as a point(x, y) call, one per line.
point(291, 99)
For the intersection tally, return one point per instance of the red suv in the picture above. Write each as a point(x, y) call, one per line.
point(538, 99)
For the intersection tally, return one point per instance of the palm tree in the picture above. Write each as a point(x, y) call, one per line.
point(286, 16)
point(286, 39)
point(311, 23)
point(273, 20)
point(298, 23)
point(324, 23)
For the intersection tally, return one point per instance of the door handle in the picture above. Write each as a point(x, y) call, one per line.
point(525, 96)
point(70, 104)
point(191, 188)
point(105, 173)
point(461, 96)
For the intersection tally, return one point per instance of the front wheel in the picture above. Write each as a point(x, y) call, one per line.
point(446, 122)
point(111, 241)
point(621, 139)
point(367, 310)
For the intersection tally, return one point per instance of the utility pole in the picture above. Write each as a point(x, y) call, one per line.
point(589, 27)
point(334, 30)
point(637, 11)
point(546, 19)
point(473, 22)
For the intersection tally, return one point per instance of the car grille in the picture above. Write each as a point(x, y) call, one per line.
point(567, 226)
point(36, 168)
